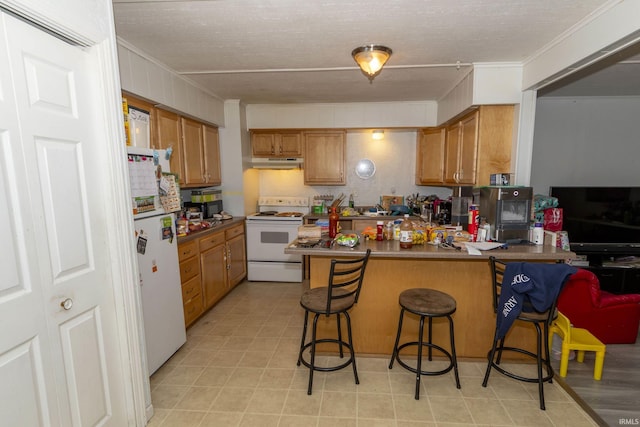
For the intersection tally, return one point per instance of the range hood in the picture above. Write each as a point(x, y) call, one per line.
point(276, 162)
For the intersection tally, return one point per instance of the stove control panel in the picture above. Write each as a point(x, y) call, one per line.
point(283, 201)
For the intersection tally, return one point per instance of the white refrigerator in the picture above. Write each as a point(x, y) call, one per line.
point(156, 245)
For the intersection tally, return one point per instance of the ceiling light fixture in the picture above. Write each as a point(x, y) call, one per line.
point(371, 58)
point(378, 134)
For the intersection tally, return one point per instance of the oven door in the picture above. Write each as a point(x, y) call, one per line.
point(267, 239)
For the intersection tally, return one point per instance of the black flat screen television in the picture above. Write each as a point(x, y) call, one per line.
point(601, 219)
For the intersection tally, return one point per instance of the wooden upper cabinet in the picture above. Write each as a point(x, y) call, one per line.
point(143, 105)
point(430, 151)
point(211, 155)
point(462, 151)
point(201, 148)
point(325, 157)
point(276, 143)
point(192, 142)
point(169, 136)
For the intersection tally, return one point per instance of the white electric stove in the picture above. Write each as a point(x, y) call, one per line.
point(269, 231)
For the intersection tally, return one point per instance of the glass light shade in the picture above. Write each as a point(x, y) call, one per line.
point(378, 134)
point(371, 58)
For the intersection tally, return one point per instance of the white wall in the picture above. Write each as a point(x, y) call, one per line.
point(586, 141)
point(394, 158)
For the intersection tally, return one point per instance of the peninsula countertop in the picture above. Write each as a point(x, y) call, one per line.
point(391, 249)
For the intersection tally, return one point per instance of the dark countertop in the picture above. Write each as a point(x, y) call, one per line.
point(222, 225)
point(314, 217)
point(391, 249)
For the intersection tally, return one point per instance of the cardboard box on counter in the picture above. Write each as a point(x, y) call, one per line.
point(309, 231)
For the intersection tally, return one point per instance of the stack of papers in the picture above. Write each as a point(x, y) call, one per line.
point(474, 248)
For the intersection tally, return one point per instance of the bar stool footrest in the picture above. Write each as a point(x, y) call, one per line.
point(503, 371)
point(425, 344)
point(348, 362)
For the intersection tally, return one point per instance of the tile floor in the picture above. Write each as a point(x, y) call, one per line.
point(238, 368)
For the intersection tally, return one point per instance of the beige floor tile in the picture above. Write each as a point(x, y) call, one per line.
point(371, 382)
point(372, 364)
point(471, 369)
point(376, 422)
point(507, 388)
point(472, 387)
point(261, 343)
point(221, 419)
point(301, 380)
point(342, 380)
point(232, 399)
point(271, 331)
point(409, 409)
point(377, 406)
point(255, 359)
point(337, 422)
point(259, 420)
point(526, 413)
point(166, 396)
point(298, 421)
point(441, 385)
point(338, 404)
point(567, 414)
point(300, 403)
point(267, 401)
point(183, 375)
point(183, 419)
point(211, 343)
point(214, 376)
point(198, 358)
point(450, 409)
point(162, 373)
point(245, 377)
point(488, 411)
point(403, 423)
point(226, 358)
point(198, 398)
point(276, 378)
point(158, 417)
point(236, 343)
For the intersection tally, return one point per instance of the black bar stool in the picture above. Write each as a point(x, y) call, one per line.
point(342, 292)
point(540, 319)
point(427, 303)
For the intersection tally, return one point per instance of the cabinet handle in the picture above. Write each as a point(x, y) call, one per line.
point(228, 257)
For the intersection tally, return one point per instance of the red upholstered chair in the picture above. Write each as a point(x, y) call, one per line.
point(613, 319)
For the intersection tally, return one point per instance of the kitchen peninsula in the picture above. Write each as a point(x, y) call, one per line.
point(391, 270)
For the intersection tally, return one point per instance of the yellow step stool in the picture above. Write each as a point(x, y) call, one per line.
point(577, 339)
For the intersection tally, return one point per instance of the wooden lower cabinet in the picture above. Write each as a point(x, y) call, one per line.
point(210, 267)
point(213, 268)
point(190, 280)
point(237, 259)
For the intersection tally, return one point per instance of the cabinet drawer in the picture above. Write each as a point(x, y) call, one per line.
point(211, 240)
point(192, 309)
point(234, 231)
point(191, 289)
point(189, 269)
point(187, 250)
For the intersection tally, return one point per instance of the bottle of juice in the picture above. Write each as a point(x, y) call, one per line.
point(406, 233)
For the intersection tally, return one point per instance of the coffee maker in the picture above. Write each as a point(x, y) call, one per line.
point(508, 211)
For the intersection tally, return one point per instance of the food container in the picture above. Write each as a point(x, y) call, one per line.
point(309, 231)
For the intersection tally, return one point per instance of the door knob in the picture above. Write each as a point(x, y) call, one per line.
point(67, 304)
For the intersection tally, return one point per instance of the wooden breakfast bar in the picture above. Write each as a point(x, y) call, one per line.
point(390, 270)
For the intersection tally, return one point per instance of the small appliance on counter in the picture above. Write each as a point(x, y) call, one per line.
point(507, 210)
point(206, 201)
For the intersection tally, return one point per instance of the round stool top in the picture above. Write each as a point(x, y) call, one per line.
point(427, 301)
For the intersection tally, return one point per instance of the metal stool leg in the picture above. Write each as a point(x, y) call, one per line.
point(430, 342)
point(419, 369)
point(453, 352)
point(313, 352)
point(353, 356)
point(395, 347)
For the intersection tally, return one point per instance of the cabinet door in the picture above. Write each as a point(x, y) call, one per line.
point(168, 128)
point(211, 155)
point(192, 142)
point(236, 260)
point(213, 267)
point(430, 156)
point(290, 144)
point(263, 144)
point(454, 133)
point(468, 150)
point(324, 158)
point(140, 104)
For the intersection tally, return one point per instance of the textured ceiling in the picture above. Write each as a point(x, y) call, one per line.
point(292, 51)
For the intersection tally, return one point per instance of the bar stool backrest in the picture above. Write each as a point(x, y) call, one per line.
point(345, 279)
point(497, 274)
